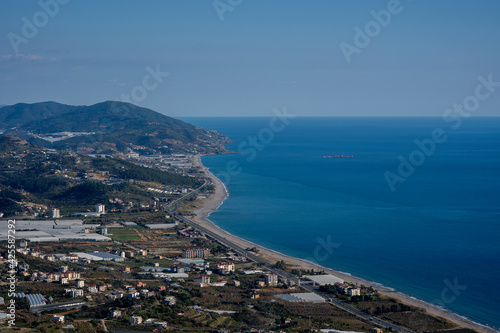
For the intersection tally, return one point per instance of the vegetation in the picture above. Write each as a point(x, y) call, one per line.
point(124, 235)
point(128, 170)
point(33, 180)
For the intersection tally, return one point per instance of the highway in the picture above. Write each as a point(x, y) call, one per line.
point(283, 274)
point(175, 203)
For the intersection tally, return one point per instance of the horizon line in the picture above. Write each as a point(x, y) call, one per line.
point(334, 116)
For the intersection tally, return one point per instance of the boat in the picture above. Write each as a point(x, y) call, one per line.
point(339, 156)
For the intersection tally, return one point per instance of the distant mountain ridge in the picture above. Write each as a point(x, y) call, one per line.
point(107, 127)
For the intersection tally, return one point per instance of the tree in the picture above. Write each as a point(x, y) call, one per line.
point(280, 264)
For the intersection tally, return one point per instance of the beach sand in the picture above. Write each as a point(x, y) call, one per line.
point(212, 203)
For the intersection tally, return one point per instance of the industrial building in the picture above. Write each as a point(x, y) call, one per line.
point(52, 231)
point(195, 253)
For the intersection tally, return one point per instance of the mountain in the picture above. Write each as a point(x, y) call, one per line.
point(107, 127)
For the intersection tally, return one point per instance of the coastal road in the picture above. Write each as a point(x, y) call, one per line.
point(283, 274)
point(176, 202)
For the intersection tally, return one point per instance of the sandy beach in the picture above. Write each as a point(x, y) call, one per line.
point(213, 202)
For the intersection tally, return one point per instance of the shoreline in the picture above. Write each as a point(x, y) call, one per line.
point(215, 200)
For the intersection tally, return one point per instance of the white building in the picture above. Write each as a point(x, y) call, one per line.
point(353, 292)
point(100, 209)
point(136, 320)
point(55, 213)
point(75, 292)
point(225, 266)
point(115, 313)
point(272, 279)
point(133, 294)
point(204, 281)
point(169, 300)
point(79, 283)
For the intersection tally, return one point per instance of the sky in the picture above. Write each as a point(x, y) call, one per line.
point(247, 57)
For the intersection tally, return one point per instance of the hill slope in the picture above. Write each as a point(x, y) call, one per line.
point(33, 178)
point(107, 127)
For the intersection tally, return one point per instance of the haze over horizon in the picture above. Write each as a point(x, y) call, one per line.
point(244, 58)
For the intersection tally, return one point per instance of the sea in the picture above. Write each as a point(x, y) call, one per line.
point(410, 203)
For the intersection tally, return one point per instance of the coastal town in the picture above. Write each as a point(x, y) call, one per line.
point(121, 278)
point(116, 283)
point(153, 262)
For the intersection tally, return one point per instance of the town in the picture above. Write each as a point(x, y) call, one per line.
point(115, 283)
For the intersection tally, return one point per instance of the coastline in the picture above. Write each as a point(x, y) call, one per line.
point(214, 201)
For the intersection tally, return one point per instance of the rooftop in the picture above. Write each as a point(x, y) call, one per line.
point(301, 297)
point(324, 279)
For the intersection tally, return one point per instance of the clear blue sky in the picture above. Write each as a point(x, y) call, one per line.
point(264, 54)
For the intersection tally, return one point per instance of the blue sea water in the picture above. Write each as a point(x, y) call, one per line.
point(435, 237)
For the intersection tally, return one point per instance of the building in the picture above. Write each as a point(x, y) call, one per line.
point(150, 321)
point(104, 231)
point(255, 294)
point(324, 279)
point(107, 256)
point(218, 284)
point(58, 319)
point(271, 280)
point(341, 287)
point(204, 281)
point(79, 283)
point(115, 314)
point(161, 324)
point(169, 300)
point(136, 320)
point(195, 253)
point(226, 267)
point(129, 254)
point(93, 288)
point(353, 292)
point(63, 280)
point(55, 213)
point(133, 295)
point(100, 209)
point(75, 292)
point(62, 269)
